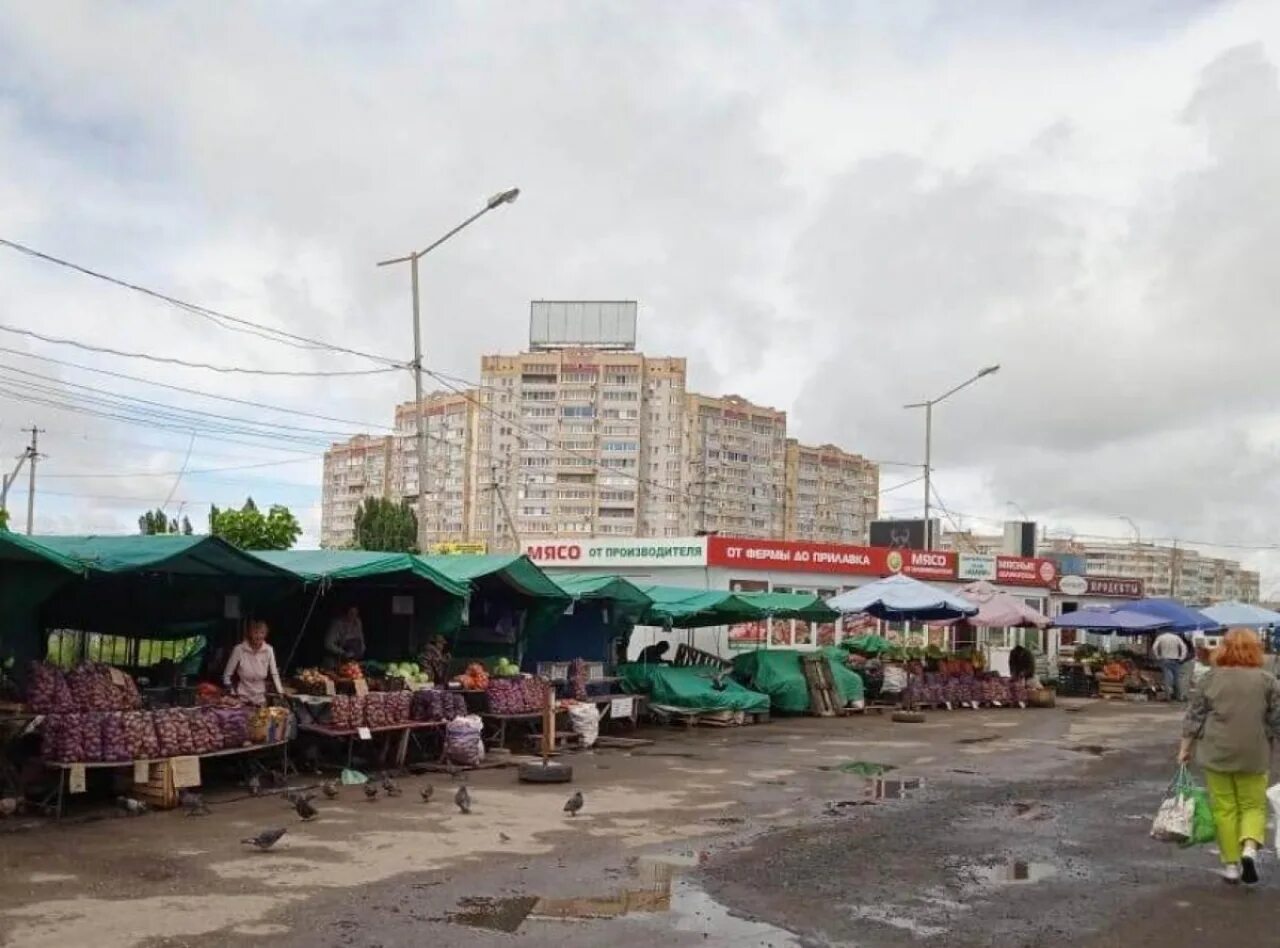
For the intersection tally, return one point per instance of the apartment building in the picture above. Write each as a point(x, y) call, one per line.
point(353, 470)
point(735, 467)
point(831, 495)
point(577, 441)
point(1176, 571)
point(451, 425)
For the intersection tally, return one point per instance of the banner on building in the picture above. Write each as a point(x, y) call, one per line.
point(690, 551)
point(1113, 587)
point(802, 557)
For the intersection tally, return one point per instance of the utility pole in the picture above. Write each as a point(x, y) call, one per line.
point(499, 199)
point(34, 455)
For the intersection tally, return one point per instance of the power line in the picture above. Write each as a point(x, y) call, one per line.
point(192, 473)
point(168, 360)
point(218, 318)
point(193, 391)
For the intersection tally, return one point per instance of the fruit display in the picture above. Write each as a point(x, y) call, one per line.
point(475, 678)
point(115, 746)
point(516, 695)
point(140, 735)
point(269, 725)
point(505, 668)
point(47, 690)
point(376, 713)
point(174, 732)
point(411, 672)
point(350, 671)
point(436, 704)
point(313, 681)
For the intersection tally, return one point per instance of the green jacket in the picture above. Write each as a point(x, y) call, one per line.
point(1234, 716)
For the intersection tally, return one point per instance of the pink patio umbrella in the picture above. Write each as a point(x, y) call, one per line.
point(998, 610)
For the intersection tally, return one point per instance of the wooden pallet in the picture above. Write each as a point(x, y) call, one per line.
point(687, 656)
point(822, 687)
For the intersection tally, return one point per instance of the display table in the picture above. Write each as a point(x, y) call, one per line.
point(55, 799)
point(407, 731)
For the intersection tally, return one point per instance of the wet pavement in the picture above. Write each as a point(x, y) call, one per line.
point(1001, 828)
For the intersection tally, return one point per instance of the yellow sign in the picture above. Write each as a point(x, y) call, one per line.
point(459, 547)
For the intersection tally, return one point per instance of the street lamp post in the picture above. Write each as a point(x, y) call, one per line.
point(928, 441)
point(499, 199)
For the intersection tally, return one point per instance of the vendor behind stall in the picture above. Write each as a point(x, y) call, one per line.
point(655, 654)
point(434, 659)
point(252, 662)
point(344, 642)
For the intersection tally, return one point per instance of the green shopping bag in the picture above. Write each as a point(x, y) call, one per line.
point(1203, 828)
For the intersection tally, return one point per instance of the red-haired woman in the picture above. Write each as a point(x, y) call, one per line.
point(1233, 718)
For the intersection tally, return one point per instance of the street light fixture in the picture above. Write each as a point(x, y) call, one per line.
point(928, 440)
point(499, 199)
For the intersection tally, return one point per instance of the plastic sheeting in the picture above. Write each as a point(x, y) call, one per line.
point(779, 674)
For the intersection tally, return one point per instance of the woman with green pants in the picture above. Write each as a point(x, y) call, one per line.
point(1232, 720)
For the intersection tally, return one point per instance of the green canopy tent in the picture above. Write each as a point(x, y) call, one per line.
point(29, 574)
point(682, 607)
point(807, 607)
point(512, 602)
point(604, 610)
point(402, 600)
point(140, 587)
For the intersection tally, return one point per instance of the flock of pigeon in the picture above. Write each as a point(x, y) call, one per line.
point(194, 804)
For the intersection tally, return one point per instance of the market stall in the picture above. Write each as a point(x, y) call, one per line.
point(137, 711)
point(779, 674)
point(1089, 671)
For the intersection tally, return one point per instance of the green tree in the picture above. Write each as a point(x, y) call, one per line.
point(385, 525)
point(186, 527)
point(4, 519)
point(250, 529)
point(155, 521)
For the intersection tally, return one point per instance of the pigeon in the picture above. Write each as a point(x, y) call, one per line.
point(305, 809)
point(131, 806)
point(11, 805)
point(194, 803)
point(389, 787)
point(370, 792)
point(463, 799)
point(254, 784)
point(330, 788)
point(426, 792)
point(264, 840)
point(574, 804)
point(504, 837)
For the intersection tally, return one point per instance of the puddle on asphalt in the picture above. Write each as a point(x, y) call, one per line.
point(655, 887)
point(1013, 872)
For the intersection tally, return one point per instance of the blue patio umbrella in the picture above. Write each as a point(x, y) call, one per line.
point(900, 598)
point(1180, 618)
point(1107, 619)
point(1242, 614)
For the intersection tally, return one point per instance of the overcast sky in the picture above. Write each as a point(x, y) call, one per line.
point(829, 208)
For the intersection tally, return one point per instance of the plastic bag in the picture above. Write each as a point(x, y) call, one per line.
point(1204, 829)
point(585, 719)
point(1273, 797)
point(1175, 820)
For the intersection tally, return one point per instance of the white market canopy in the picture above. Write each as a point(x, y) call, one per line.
point(900, 598)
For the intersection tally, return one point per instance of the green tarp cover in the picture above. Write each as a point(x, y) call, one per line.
point(15, 548)
point(592, 586)
point(778, 674)
point(806, 606)
point(692, 689)
point(337, 565)
point(176, 555)
point(684, 607)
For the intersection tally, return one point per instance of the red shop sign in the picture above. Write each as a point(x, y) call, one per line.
point(828, 558)
point(1026, 571)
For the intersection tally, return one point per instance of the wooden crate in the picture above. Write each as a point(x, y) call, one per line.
point(1110, 689)
point(822, 686)
point(158, 792)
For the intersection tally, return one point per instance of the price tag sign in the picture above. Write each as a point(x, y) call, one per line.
point(141, 771)
point(186, 771)
point(329, 688)
point(361, 686)
point(622, 707)
point(75, 780)
point(365, 733)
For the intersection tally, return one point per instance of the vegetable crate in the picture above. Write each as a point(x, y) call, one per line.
point(158, 792)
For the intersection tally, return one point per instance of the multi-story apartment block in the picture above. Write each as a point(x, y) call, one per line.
point(584, 436)
point(831, 495)
point(735, 467)
point(1169, 570)
point(353, 470)
point(577, 441)
point(450, 419)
